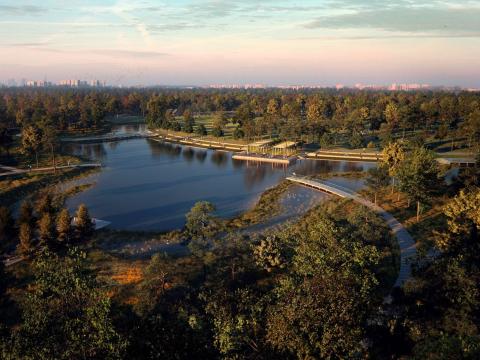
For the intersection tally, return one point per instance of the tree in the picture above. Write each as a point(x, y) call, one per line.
point(201, 130)
point(50, 141)
point(201, 225)
point(326, 140)
point(31, 141)
point(83, 223)
point(272, 115)
point(237, 321)
point(6, 224)
point(47, 231)
point(156, 108)
point(4, 281)
point(470, 176)
point(113, 106)
point(219, 122)
point(472, 128)
point(44, 204)
point(463, 220)
point(6, 139)
point(220, 119)
point(322, 307)
point(377, 179)
point(66, 316)
point(25, 237)
point(392, 115)
point(419, 176)
point(25, 215)
point(316, 114)
point(188, 121)
point(356, 140)
point(393, 155)
point(64, 226)
point(217, 132)
point(155, 278)
point(238, 133)
point(268, 254)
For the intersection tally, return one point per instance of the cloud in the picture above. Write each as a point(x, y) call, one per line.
point(21, 9)
point(270, 8)
point(159, 28)
point(129, 53)
point(390, 36)
point(214, 8)
point(114, 53)
point(27, 44)
point(443, 20)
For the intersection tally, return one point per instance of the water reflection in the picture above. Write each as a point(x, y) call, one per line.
point(238, 164)
point(95, 152)
point(160, 149)
point(188, 154)
point(201, 156)
point(129, 129)
point(312, 167)
point(147, 184)
point(258, 173)
point(220, 158)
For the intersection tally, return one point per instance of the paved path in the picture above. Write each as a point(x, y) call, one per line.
point(408, 250)
point(106, 138)
point(16, 171)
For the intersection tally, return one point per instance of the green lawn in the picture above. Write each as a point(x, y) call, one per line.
point(125, 119)
point(207, 121)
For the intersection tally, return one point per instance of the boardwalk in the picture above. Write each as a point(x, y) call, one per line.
point(264, 158)
point(406, 244)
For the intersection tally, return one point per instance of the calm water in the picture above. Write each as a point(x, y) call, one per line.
point(149, 185)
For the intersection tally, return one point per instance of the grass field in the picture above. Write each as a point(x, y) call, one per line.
point(125, 119)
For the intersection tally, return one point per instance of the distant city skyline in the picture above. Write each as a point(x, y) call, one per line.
point(79, 83)
point(203, 42)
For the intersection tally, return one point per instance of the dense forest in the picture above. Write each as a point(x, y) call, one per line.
point(319, 288)
point(309, 115)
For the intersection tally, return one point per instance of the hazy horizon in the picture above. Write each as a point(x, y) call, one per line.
point(240, 42)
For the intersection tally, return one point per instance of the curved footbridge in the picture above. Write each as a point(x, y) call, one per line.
point(408, 250)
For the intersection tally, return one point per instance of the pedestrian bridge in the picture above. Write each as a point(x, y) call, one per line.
point(324, 186)
point(408, 250)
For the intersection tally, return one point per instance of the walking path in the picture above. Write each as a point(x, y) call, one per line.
point(408, 250)
point(15, 171)
point(107, 137)
point(199, 142)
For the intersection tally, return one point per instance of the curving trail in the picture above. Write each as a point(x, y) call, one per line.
point(16, 171)
point(408, 250)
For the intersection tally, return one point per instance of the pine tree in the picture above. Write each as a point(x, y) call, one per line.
point(83, 222)
point(44, 205)
point(64, 226)
point(6, 224)
point(25, 247)
point(25, 215)
point(46, 229)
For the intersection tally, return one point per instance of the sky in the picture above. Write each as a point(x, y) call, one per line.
point(274, 42)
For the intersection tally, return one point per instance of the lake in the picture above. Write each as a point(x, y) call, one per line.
point(150, 185)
